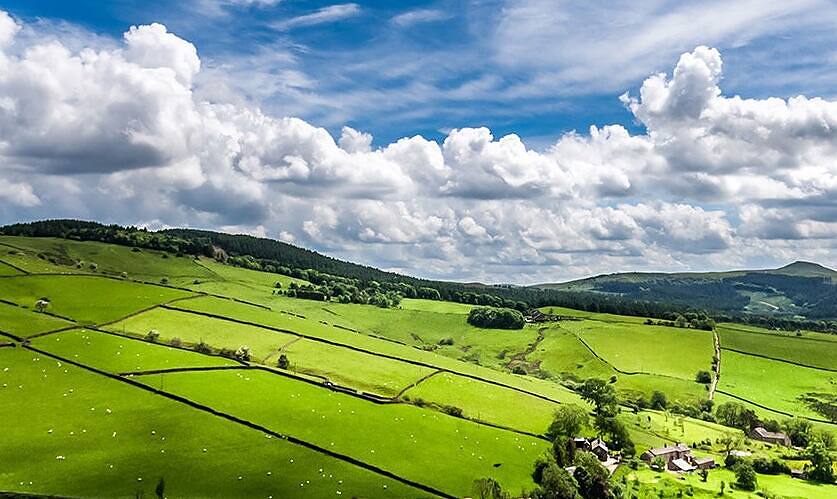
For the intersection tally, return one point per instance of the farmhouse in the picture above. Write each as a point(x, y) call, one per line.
point(536, 316)
point(678, 457)
point(595, 445)
point(759, 433)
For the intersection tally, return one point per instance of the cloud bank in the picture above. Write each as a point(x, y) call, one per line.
point(119, 133)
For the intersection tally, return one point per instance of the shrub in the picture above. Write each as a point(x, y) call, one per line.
point(452, 410)
point(283, 362)
point(497, 318)
point(519, 369)
point(745, 476)
point(446, 341)
point(770, 466)
point(659, 400)
point(203, 348)
point(703, 377)
point(164, 280)
point(176, 342)
point(153, 336)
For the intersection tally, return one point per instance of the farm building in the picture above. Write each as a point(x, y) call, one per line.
point(536, 316)
point(679, 457)
point(594, 445)
point(771, 437)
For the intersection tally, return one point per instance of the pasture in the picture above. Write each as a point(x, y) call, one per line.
point(24, 322)
point(117, 355)
point(427, 446)
point(812, 349)
point(69, 432)
point(87, 299)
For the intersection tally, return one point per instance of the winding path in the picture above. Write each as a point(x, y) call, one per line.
point(716, 366)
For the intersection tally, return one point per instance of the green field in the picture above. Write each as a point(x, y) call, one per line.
point(87, 299)
point(746, 376)
point(72, 433)
point(419, 444)
point(814, 350)
point(675, 352)
point(24, 322)
point(117, 355)
point(371, 384)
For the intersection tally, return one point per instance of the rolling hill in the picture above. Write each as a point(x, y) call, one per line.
point(800, 289)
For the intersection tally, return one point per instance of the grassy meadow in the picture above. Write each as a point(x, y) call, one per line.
point(412, 393)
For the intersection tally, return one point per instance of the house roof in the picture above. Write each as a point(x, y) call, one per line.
point(704, 460)
point(598, 443)
point(661, 451)
point(760, 431)
point(682, 465)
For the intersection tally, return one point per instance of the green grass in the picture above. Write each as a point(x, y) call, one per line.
point(108, 259)
point(111, 435)
point(423, 445)
point(439, 307)
point(485, 402)
point(653, 349)
point(24, 322)
point(774, 384)
point(114, 354)
point(87, 299)
point(350, 368)
point(6, 269)
point(809, 350)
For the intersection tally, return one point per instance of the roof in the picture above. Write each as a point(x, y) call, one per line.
point(598, 443)
point(704, 460)
point(682, 465)
point(760, 431)
point(660, 451)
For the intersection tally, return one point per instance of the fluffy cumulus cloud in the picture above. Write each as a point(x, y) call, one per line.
point(118, 132)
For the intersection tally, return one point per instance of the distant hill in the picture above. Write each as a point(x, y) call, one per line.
point(800, 289)
point(800, 295)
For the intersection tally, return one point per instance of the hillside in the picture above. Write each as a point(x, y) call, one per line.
point(143, 367)
point(800, 289)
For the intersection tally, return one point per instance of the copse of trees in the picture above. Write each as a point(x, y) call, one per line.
point(496, 318)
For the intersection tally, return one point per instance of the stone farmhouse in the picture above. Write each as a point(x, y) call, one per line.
point(778, 438)
point(678, 457)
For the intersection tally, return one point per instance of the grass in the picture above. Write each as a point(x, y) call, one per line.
point(776, 385)
point(193, 329)
point(6, 269)
point(117, 441)
point(654, 349)
point(811, 350)
point(485, 402)
point(24, 322)
point(66, 255)
point(114, 354)
point(439, 307)
point(87, 299)
point(432, 448)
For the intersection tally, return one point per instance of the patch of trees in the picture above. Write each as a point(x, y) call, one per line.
point(496, 318)
point(691, 320)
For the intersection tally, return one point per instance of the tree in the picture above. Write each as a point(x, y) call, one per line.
point(703, 377)
point(799, 430)
point(488, 488)
point(820, 468)
point(556, 483)
point(730, 441)
point(497, 318)
point(591, 476)
point(602, 395)
point(283, 362)
point(568, 421)
point(736, 415)
point(659, 401)
point(704, 474)
point(616, 434)
point(745, 476)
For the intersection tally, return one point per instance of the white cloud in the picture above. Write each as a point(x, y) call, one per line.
point(123, 133)
point(419, 16)
point(330, 14)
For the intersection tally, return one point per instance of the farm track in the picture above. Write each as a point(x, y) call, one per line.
point(278, 350)
point(786, 361)
point(370, 352)
point(415, 384)
point(620, 371)
point(716, 367)
point(250, 424)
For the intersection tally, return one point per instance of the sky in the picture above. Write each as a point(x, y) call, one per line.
point(498, 141)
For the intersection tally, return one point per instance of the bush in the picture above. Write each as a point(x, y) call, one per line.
point(283, 362)
point(659, 400)
point(745, 476)
point(176, 342)
point(452, 410)
point(497, 318)
point(703, 377)
point(770, 466)
point(203, 348)
point(446, 341)
point(152, 336)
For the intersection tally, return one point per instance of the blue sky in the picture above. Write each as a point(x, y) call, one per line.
point(496, 140)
